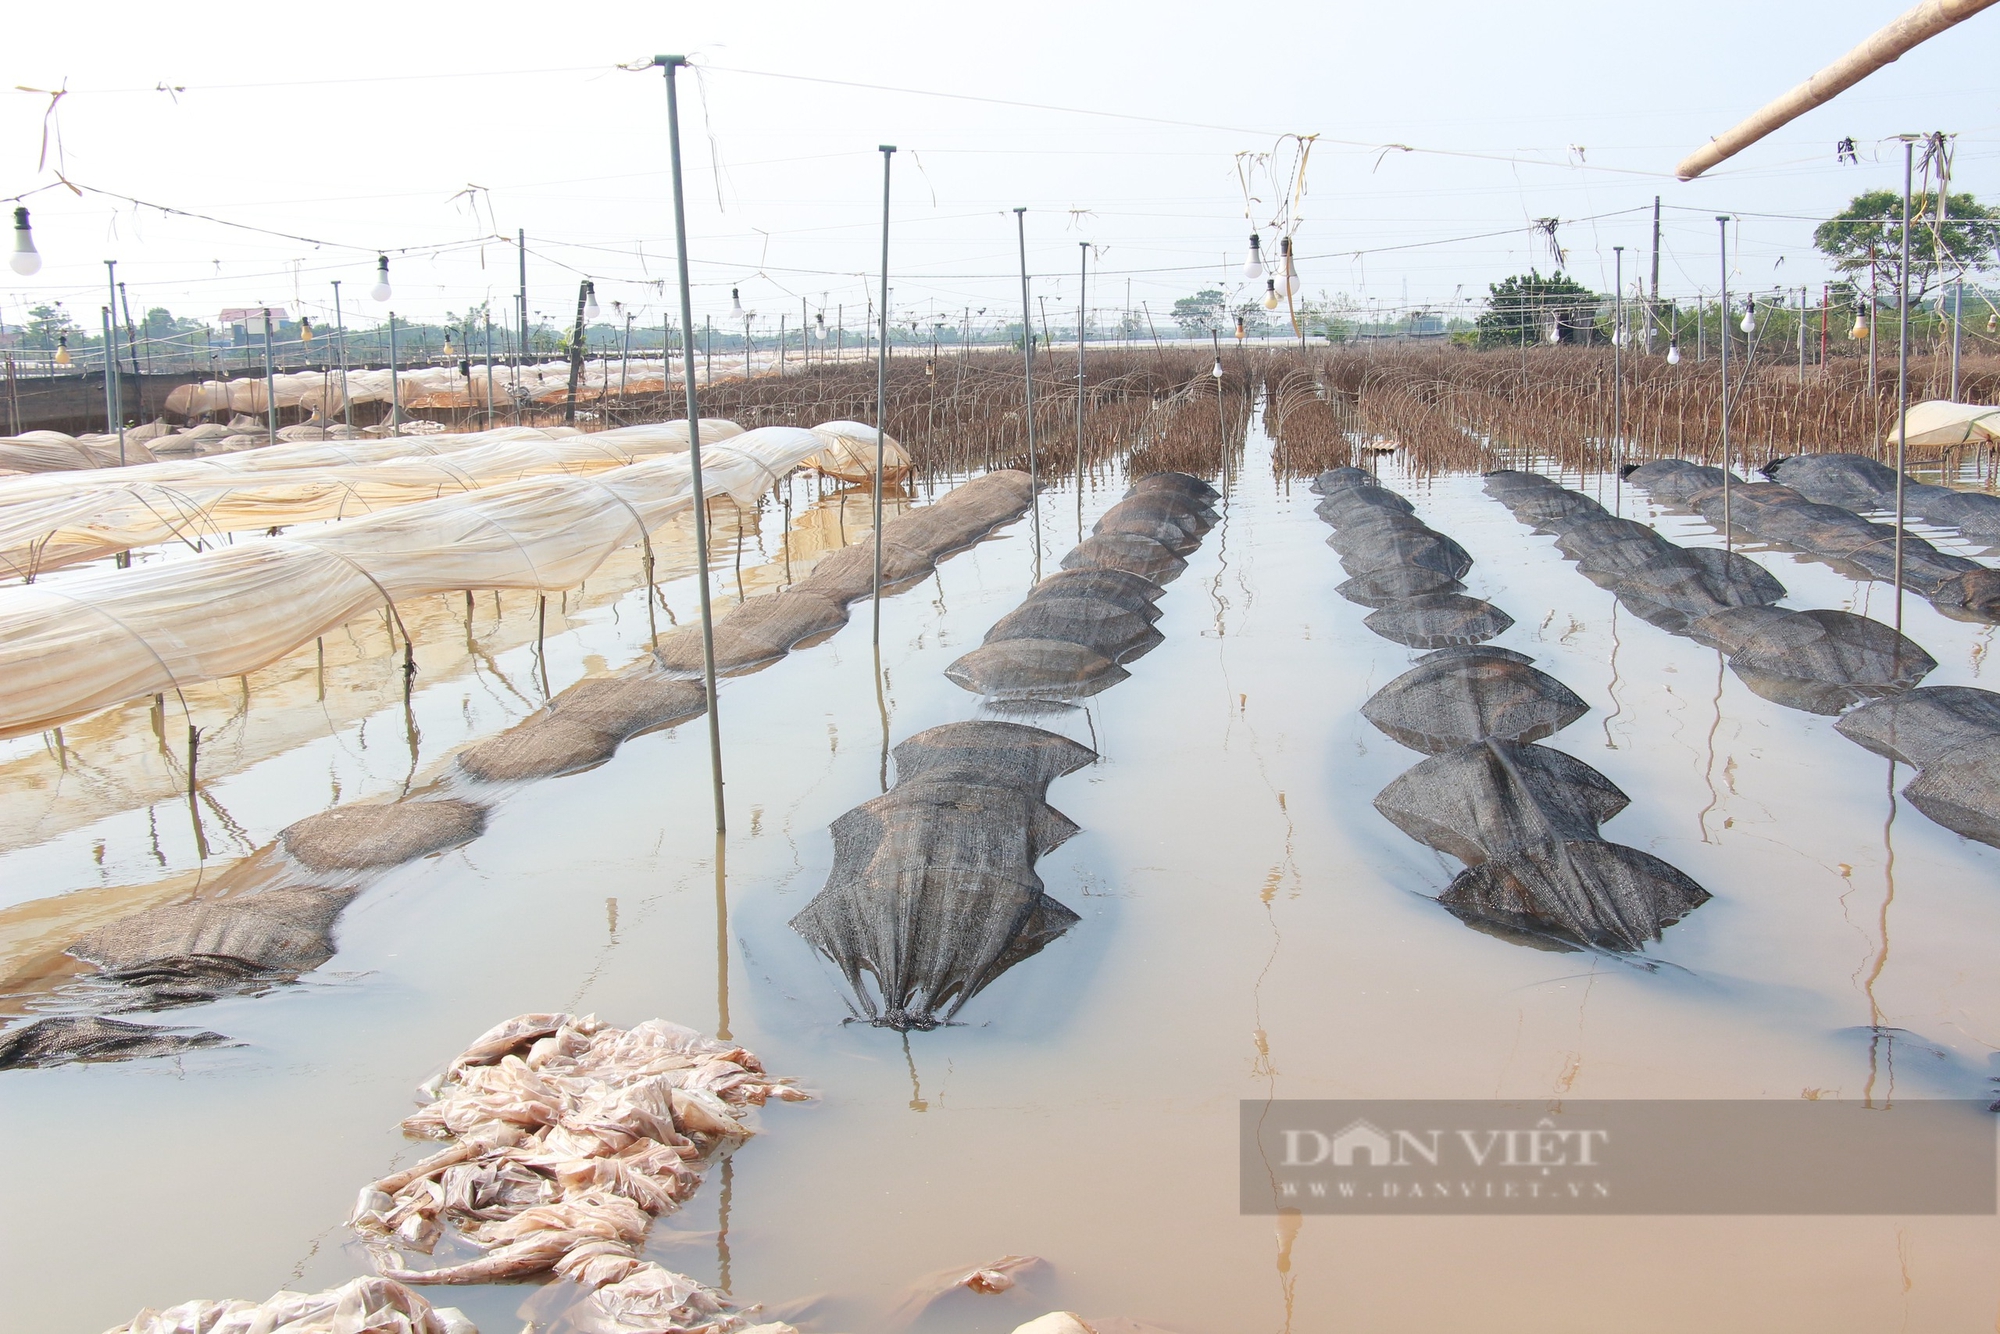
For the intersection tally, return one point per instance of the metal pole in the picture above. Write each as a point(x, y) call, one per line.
point(1802, 335)
point(1722, 223)
point(888, 152)
point(1082, 273)
point(110, 405)
point(132, 350)
point(1653, 305)
point(489, 367)
point(1618, 370)
point(395, 391)
point(670, 64)
point(270, 385)
point(1957, 311)
point(340, 337)
point(112, 377)
point(1028, 381)
point(1902, 372)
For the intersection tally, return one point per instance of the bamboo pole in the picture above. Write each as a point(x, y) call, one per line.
point(1913, 28)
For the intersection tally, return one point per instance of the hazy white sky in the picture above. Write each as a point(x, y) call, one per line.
point(359, 124)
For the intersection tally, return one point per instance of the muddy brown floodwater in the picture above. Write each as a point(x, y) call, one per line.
point(1250, 928)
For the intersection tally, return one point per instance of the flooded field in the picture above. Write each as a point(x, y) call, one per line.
point(1251, 928)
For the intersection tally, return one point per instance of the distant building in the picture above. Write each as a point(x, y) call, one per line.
point(246, 323)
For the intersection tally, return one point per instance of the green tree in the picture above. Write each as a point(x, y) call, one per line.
point(45, 325)
point(1202, 312)
point(1523, 309)
point(1865, 239)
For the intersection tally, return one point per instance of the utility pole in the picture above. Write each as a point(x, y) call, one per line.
point(1653, 298)
point(1902, 370)
point(111, 377)
point(270, 385)
point(1082, 273)
point(670, 64)
point(1618, 367)
point(1028, 386)
point(1722, 222)
point(888, 152)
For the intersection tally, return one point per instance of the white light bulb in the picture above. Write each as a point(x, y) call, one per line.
point(590, 310)
point(1749, 324)
point(736, 303)
point(1555, 332)
point(381, 289)
point(1217, 372)
point(1673, 354)
point(27, 260)
point(1270, 294)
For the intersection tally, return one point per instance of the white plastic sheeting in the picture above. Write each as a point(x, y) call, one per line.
point(850, 454)
point(418, 387)
point(1941, 422)
point(60, 519)
point(106, 638)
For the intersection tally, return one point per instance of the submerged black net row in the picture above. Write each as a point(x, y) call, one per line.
point(1523, 818)
point(933, 892)
point(1803, 520)
point(1822, 661)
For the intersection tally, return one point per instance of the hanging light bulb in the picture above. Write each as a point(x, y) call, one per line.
point(1241, 332)
point(62, 349)
point(306, 330)
point(1993, 324)
point(447, 347)
point(736, 303)
point(1749, 324)
point(819, 326)
point(1860, 329)
point(1555, 331)
point(1673, 354)
point(1253, 267)
point(27, 260)
point(1270, 294)
point(381, 289)
point(1288, 275)
point(1216, 371)
point(590, 311)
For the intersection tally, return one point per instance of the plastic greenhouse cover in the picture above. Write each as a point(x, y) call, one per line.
point(105, 638)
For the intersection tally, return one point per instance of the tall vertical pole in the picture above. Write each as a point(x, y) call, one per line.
point(111, 358)
point(270, 385)
point(1082, 272)
point(110, 399)
point(1618, 371)
point(1028, 384)
point(521, 299)
point(1722, 222)
point(1653, 297)
point(132, 350)
point(489, 365)
point(1957, 311)
point(1902, 370)
point(670, 64)
point(395, 390)
point(881, 398)
point(1802, 334)
point(1825, 309)
point(340, 337)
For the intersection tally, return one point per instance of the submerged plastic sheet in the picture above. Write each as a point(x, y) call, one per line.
point(359, 1306)
point(568, 1136)
point(107, 638)
point(933, 891)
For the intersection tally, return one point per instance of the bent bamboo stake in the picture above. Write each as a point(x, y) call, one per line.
point(1917, 26)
